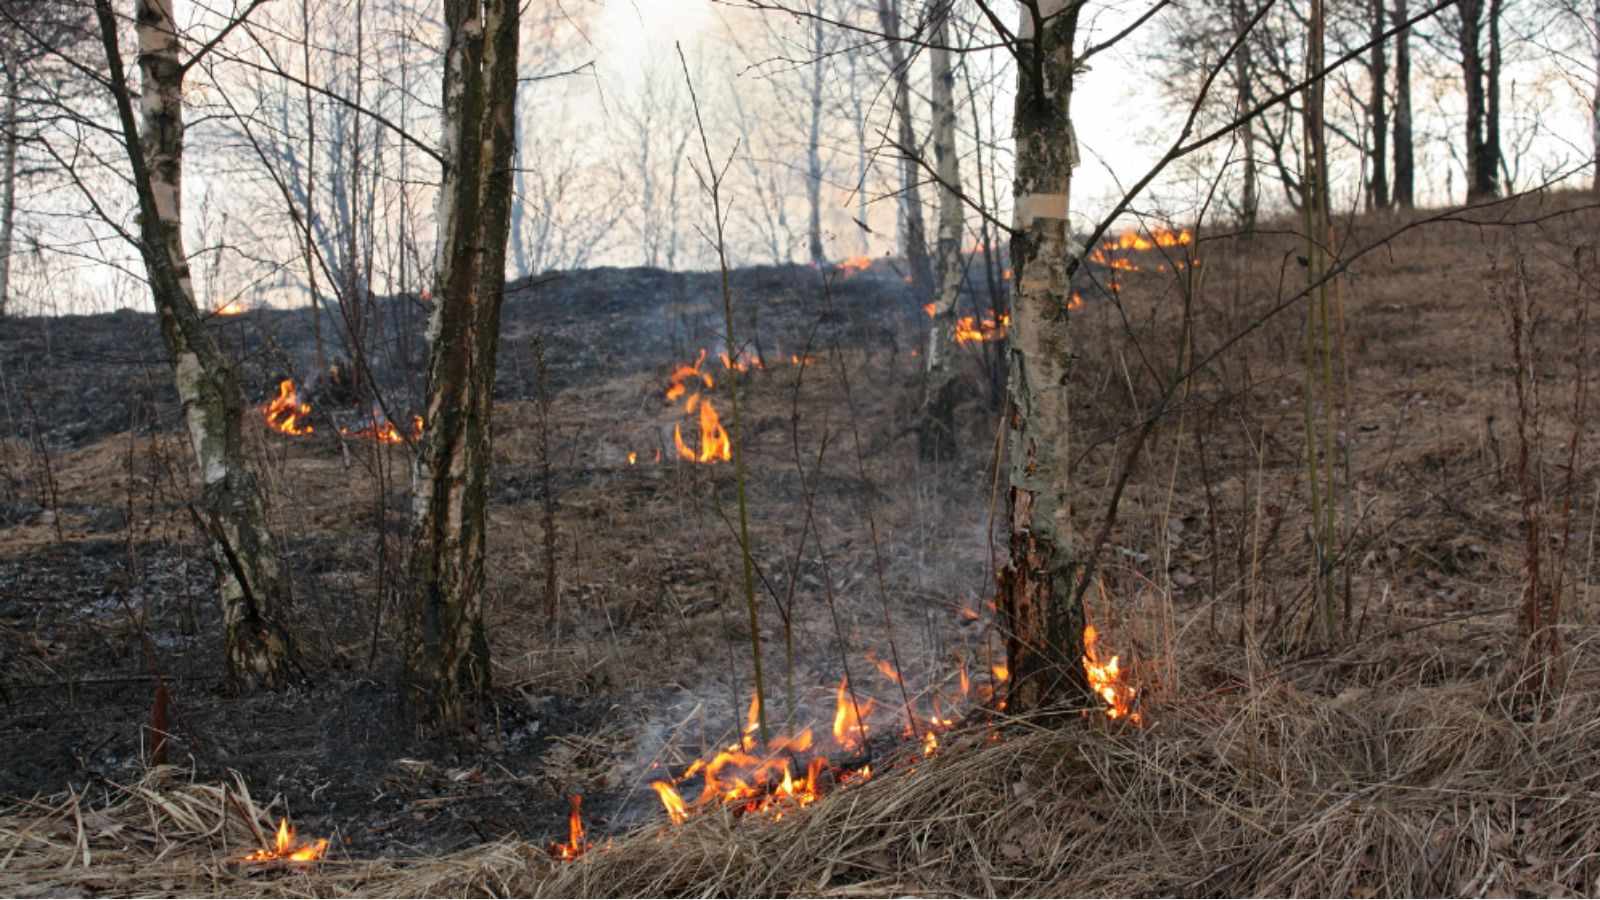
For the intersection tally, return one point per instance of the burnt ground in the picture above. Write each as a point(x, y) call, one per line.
point(104, 585)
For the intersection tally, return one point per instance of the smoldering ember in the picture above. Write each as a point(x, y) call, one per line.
point(799, 448)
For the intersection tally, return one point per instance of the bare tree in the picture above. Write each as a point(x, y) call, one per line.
point(1405, 169)
point(937, 438)
point(447, 658)
point(254, 588)
point(914, 233)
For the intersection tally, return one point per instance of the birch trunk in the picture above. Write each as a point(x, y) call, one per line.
point(8, 185)
point(1244, 74)
point(937, 434)
point(1594, 104)
point(914, 234)
point(253, 588)
point(814, 150)
point(1040, 611)
point(447, 657)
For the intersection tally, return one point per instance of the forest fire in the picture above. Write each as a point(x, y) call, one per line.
point(285, 848)
point(231, 308)
point(1133, 240)
point(286, 414)
point(576, 843)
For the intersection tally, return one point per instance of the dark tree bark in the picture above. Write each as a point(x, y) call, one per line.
point(914, 236)
point(1482, 149)
point(1404, 161)
point(447, 657)
point(1040, 610)
point(1244, 85)
point(1378, 193)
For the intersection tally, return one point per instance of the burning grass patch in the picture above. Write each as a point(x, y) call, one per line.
point(1390, 787)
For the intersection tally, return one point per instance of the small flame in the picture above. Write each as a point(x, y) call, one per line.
point(929, 308)
point(676, 810)
point(632, 457)
point(971, 330)
point(231, 308)
point(285, 413)
point(1105, 679)
point(576, 844)
point(1001, 672)
point(849, 719)
point(855, 264)
point(284, 847)
point(930, 743)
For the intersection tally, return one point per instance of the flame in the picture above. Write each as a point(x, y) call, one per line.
point(1076, 302)
point(737, 365)
point(854, 264)
point(970, 330)
point(849, 718)
point(801, 361)
point(886, 668)
point(930, 743)
point(285, 413)
point(1133, 240)
point(632, 457)
point(1105, 679)
point(231, 308)
point(928, 308)
point(1006, 275)
point(285, 848)
point(676, 810)
point(576, 844)
point(714, 443)
point(1001, 672)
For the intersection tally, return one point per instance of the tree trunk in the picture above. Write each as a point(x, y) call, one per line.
point(447, 657)
point(1379, 189)
point(937, 435)
point(1404, 161)
point(253, 587)
point(1594, 103)
point(914, 236)
point(8, 185)
point(1491, 136)
point(1040, 610)
point(1480, 167)
point(813, 148)
point(1244, 74)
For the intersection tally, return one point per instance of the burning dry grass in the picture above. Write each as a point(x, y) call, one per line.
point(1390, 788)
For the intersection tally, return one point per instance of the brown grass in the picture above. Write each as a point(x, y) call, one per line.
point(1396, 788)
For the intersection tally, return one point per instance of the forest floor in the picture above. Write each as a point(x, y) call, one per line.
point(1413, 755)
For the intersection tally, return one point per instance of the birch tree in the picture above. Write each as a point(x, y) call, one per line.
point(1041, 612)
point(937, 439)
point(447, 649)
point(913, 233)
point(254, 589)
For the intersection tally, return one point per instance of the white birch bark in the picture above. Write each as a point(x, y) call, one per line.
point(1043, 621)
point(937, 433)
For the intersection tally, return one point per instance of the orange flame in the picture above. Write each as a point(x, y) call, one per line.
point(849, 719)
point(929, 308)
point(285, 413)
point(231, 308)
point(1001, 672)
point(714, 443)
point(1105, 679)
point(576, 844)
point(676, 810)
point(285, 848)
point(970, 330)
point(855, 264)
point(632, 457)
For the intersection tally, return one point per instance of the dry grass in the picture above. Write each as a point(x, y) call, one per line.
point(1395, 788)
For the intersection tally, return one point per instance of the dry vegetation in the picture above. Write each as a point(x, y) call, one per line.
point(1422, 756)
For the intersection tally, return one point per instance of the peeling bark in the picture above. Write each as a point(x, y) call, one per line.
point(1039, 607)
point(447, 658)
point(253, 588)
point(937, 430)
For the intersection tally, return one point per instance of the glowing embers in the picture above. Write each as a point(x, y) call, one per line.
point(383, 431)
point(286, 849)
point(285, 413)
point(576, 843)
point(1114, 252)
point(1106, 680)
point(854, 265)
